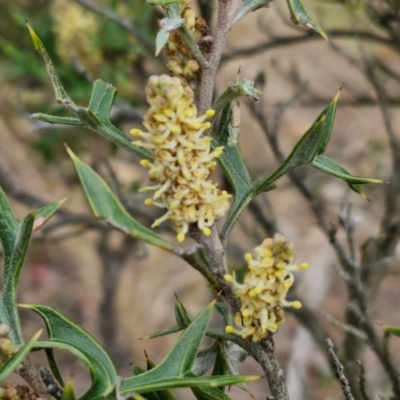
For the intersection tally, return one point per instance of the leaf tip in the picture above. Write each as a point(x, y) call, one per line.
point(37, 44)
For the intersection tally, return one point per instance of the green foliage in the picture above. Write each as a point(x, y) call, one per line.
point(175, 369)
point(15, 237)
point(106, 206)
point(65, 335)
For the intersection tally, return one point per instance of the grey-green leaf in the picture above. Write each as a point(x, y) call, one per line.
point(97, 118)
point(9, 227)
point(106, 206)
point(235, 170)
point(303, 153)
point(299, 16)
point(60, 93)
point(53, 119)
point(175, 370)
point(43, 214)
point(330, 167)
point(12, 271)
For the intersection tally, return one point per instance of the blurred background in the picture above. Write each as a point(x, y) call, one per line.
point(119, 289)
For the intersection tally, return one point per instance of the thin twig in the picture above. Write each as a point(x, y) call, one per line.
point(297, 39)
point(339, 371)
point(363, 382)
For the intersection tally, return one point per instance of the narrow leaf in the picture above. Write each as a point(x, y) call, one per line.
point(65, 335)
point(181, 315)
point(235, 170)
point(96, 121)
point(394, 330)
point(9, 227)
point(174, 370)
point(163, 332)
point(161, 394)
point(330, 167)
point(15, 361)
point(11, 276)
point(303, 153)
point(53, 119)
point(60, 93)
point(106, 206)
point(43, 214)
point(205, 393)
point(328, 115)
point(220, 362)
point(97, 118)
point(299, 16)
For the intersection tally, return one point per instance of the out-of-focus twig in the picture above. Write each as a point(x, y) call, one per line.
point(339, 371)
point(363, 382)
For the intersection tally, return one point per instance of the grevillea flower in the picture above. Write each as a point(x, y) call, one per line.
point(263, 292)
point(182, 157)
point(181, 61)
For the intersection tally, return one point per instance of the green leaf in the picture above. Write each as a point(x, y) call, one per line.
point(182, 319)
point(328, 116)
point(394, 330)
point(235, 170)
point(43, 214)
point(205, 393)
point(53, 119)
point(97, 118)
point(161, 394)
point(175, 370)
point(12, 271)
point(181, 315)
point(9, 227)
point(163, 332)
point(220, 362)
point(303, 153)
point(299, 15)
point(106, 206)
point(15, 361)
point(60, 93)
point(330, 167)
point(65, 335)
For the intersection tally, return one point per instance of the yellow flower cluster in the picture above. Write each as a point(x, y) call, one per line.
point(7, 349)
point(180, 58)
point(182, 157)
point(263, 292)
point(75, 29)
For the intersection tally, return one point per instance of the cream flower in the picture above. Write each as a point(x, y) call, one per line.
point(263, 292)
point(182, 157)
